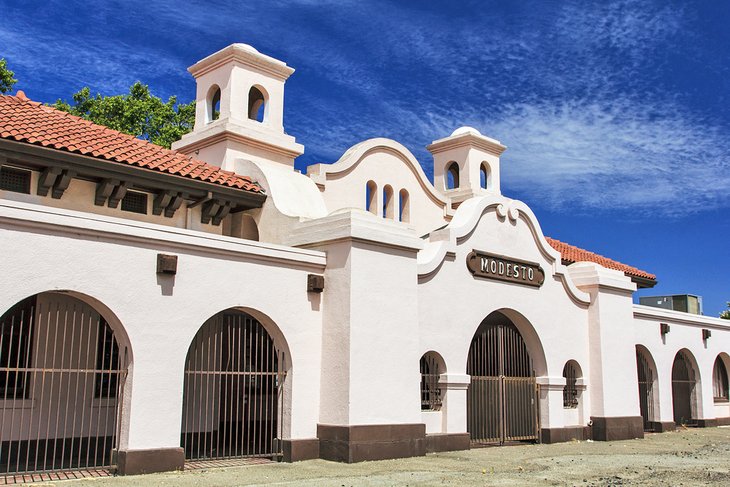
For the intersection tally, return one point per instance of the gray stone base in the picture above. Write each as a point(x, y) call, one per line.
point(134, 462)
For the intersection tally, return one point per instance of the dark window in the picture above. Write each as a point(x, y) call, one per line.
point(16, 339)
point(135, 202)
point(719, 381)
point(16, 180)
point(570, 391)
point(430, 389)
point(107, 362)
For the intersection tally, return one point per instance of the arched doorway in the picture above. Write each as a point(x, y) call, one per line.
point(233, 390)
point(684, 383)
point(647, 378)
point(62, 375)
point(502, 400)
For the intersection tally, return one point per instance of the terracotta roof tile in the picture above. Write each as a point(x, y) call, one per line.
point(27, 121)
point(571, 253)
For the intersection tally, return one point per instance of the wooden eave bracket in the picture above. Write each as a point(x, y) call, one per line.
point(215, 210)
point(61, 183)
point(167, 201)
point(47, 179)
point(110, 191)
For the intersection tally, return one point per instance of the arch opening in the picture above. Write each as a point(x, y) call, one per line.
point(720, 380)
point(484, 179)
point(431, 366)
point(502, 399)
point(648, 384)
point(371, 196)
point(257, 101)
point(213, 104)
point(63, 370)
point(571, 374)
point(452, 176)
point(233, 392)
point(684, 388)
point(388, 204)
point(404, 211)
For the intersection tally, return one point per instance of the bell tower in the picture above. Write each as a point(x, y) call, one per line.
point(239, 110)
point(466, 164)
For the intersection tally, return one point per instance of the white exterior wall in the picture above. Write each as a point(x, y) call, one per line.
point(453, 303)
point(685, 334)
point(113, 262)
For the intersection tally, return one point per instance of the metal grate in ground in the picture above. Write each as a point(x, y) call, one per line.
point(230, 462)
point(23, 478)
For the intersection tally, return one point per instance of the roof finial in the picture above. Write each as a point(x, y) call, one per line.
point(21, 95)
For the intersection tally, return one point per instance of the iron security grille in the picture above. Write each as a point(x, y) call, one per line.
point(646, 389)
point(135, 202)
point(16, 180)
point(233, 391)
point(430, 389)
point(50, 417)
point(570, 391)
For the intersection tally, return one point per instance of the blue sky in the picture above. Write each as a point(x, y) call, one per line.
point(616, 114)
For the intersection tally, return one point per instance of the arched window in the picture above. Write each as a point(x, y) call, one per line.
point(719, 381)
point(388, 205)
point(452, 176)
point(213, 109)
point(571, 373)
point(404, 212)
point(256, 104)
point(484, 176)
point(431, 370)
point(371, 195)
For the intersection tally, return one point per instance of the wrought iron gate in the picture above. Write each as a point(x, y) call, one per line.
point(62, 374)
point(646, 390)
point(683, 389)
point(232, 401)
point(502, 400)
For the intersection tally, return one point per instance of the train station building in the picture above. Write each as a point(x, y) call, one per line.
point(165, 307)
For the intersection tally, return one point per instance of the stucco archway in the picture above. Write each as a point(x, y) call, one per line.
point(686, 384)
point(235, 388)
point(648, 384)
point(64, 363)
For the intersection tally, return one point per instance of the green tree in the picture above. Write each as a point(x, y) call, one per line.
point(6, 77)
point(138, 113)
point(725, 315)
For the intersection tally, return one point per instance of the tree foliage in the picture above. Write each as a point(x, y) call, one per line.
point(138, 113)
point(6, 77)
point(725, 315)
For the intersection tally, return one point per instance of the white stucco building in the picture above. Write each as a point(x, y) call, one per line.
point(209, 302)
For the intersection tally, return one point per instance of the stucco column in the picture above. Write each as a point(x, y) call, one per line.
point(613, 376)
point(370, 386)
point(454, 401)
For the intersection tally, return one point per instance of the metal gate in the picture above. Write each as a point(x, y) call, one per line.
point(683, 389)
point(502, 400)
point(62, 374)
point(646, 389)
point(232, 400)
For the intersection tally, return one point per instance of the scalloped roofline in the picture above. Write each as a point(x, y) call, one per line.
point(466, 218)
point(354, 155)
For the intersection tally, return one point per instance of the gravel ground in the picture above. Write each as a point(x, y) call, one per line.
point(690, 457)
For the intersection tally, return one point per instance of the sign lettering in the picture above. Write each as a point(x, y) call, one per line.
point(501, 268)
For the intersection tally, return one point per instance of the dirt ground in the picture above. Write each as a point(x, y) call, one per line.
point(690, 457)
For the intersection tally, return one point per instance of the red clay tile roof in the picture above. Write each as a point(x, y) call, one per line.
point(27, 121)
point(570, 254)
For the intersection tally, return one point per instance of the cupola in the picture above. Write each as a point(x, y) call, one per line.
point(239, 111)
point(466, 164)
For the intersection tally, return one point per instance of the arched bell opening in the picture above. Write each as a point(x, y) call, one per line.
point(234, 393)
point(502, 399)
